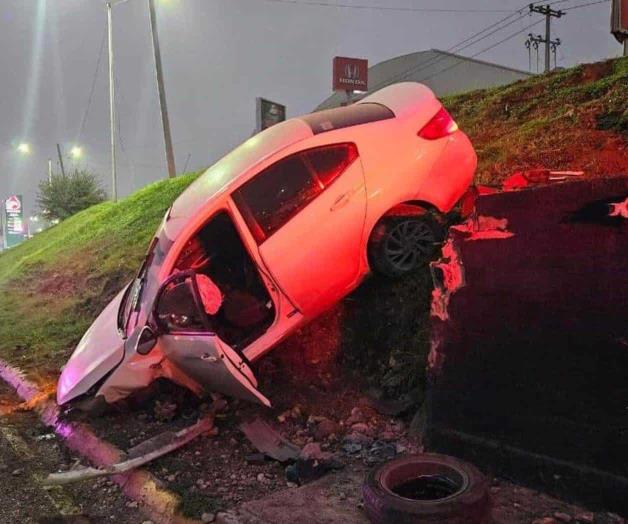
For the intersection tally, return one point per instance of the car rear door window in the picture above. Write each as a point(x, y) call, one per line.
point(279, 192)
point(330, 161)
point(275, 195)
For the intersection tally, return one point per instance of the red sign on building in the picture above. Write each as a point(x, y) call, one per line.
point(350, 74)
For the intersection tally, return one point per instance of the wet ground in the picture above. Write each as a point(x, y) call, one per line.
point(28, 452)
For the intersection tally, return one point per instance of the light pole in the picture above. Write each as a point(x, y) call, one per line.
point(112, 110)
point(172, 171)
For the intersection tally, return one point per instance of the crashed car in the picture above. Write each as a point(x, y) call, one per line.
point(272, 235)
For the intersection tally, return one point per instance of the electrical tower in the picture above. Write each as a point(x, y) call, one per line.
point(548, 12)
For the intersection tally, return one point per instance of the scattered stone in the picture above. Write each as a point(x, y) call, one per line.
point(325, 428)
point(351, 447)
point(165, 411)
point(356, 416)
point(562, 517)
point(585, 517)
point(208, 517)
point(380, 452)
point(358, 438)
point(131, 504)
point(261, 477)
point(545, 520)
point(227, 517)
point(255, 458)
point(312, 451)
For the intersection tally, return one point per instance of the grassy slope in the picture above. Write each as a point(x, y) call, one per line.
point(55, 284)
point(571, 119)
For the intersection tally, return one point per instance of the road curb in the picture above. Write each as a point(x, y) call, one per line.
point(139, 485)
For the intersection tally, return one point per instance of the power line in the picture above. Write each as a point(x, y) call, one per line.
point(91, 92)
point(586, 5)
point(461, 61)
point(470, 41)
point(389, 8)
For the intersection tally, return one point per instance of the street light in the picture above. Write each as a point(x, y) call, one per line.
point(76, 152)
point(24, 148)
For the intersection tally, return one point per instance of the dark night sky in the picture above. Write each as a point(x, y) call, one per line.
point(218, 56)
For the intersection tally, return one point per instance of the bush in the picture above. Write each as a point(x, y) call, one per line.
point(65, 195)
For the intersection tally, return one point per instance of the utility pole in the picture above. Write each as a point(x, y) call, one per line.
point(172, 172)
point(549, 13)
point(112, 107)
point(60, 159)
point(49, 171)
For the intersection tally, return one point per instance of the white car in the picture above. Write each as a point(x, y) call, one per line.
point(285, 226)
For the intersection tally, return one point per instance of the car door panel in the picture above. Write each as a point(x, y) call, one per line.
point(315, 256)
point(212, 364)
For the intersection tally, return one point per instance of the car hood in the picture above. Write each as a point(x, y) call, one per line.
point(100, 350)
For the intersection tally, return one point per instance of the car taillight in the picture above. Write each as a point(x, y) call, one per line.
point(440, 126)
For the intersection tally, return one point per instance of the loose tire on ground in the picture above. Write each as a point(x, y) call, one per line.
point(468, 502)
point(401, 244)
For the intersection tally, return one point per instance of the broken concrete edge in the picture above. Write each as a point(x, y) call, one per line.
point(139, 485)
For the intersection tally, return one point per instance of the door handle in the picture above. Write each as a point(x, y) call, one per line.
point(341, 201)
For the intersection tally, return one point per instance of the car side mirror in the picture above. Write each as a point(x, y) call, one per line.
point(178, 306)
point(142, 340)
point(146, 341)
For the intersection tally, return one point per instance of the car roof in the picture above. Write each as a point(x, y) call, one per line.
point(220, 176)
point(395, 100)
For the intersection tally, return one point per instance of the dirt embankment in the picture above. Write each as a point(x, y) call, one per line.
point(570, 119)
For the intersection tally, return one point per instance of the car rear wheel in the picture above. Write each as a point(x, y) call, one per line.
point(400, 245)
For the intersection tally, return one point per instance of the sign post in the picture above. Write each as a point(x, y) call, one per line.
point(268, 113)
point(13, 221)
point(350, 75)
point(619, 22)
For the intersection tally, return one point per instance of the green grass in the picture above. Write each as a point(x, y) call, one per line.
point(53, 285)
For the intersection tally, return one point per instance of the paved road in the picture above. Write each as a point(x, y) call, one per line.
point(28, 452)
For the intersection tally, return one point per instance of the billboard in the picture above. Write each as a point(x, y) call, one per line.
point(619, 19)
point(13, 226)
point(350, 74)
point(268, 113)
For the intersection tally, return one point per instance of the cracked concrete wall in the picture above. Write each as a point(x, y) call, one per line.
point(529, 347)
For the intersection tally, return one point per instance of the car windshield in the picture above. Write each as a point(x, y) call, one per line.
point(138, 292)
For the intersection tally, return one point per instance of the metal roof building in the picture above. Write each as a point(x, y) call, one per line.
point(445, 73)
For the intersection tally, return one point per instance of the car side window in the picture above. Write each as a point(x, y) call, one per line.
point(279, 192)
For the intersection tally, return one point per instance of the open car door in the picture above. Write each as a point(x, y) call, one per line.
point(187, 340)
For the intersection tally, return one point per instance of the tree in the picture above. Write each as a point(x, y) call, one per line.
point(68, 194)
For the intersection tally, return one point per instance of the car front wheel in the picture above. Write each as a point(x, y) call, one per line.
point(400, 245)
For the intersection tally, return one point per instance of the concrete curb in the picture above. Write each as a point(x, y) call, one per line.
point(139, 485)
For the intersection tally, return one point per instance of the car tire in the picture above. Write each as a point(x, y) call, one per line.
point(401, 244)
point(464, 501)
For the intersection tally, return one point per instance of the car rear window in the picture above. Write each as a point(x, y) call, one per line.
point(280, 191)
point(353, 115)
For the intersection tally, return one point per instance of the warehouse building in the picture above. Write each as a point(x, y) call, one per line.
point(445, 73)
